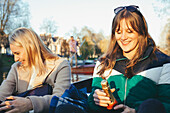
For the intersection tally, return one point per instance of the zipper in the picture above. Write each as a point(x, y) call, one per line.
point(125, 91)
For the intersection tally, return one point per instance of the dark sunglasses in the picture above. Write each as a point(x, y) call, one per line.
point(131, 8)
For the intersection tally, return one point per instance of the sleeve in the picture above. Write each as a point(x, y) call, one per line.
point(164, 87)
point(96, 85)
point(8, 86)
point(63, 79)
point(62, 82)
point(91, 104)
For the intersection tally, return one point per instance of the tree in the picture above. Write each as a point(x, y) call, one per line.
point(85, 31)
point(13, 14)
point(64, 48)
point(91, 46)
point(49, 26)
point(86, 50)
point(103, 44)
point(97, 50)
point(73, 32)
point(165, 42)
point(161, 7)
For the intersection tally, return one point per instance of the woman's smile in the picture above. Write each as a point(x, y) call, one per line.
point(125, 43)
point(127, 38)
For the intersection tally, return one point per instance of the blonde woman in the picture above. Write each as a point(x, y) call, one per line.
point(33, 62)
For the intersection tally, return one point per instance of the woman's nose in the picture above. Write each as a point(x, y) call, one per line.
point(16, 58)
point(123, 36)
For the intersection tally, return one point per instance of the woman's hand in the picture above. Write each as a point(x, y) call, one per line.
point(126, 108)
point(101, 99)
point(16, 105)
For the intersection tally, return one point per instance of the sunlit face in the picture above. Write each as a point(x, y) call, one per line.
point(19, 54)
point(127, 38)
point(72, 38)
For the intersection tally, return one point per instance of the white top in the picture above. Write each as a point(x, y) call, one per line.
point(30, 86)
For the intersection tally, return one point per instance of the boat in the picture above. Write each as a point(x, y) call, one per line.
point(83, 69)
point(84, 84)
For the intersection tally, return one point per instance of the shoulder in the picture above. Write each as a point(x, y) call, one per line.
point(159, 61)
point(160, 68)
point(14, 70)
point(16, 65)
point(96, 69)
point(162, 58)
point(97, 66)
point(62, 60)
point(56, 62)
point(165, 78)
point(61, 63)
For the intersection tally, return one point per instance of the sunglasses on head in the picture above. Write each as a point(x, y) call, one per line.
point(131, 8)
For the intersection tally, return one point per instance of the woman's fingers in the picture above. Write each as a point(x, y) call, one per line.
point(7, 104)
point(119, 106)
point(102, 102)
point(99, 92)
point(125, 108)
point(11, 98)
point(112, 90)
point(101, 95)
point(100, 98)
point(18, 105)
point(13, 111)
point(7, 107)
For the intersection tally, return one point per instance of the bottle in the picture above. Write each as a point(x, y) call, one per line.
point(106, 89)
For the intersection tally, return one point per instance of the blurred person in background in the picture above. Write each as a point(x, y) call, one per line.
point(73, 50)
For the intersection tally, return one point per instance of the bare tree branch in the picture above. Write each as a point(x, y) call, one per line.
point(13, 14)
point(9, 11)
point(49, 26)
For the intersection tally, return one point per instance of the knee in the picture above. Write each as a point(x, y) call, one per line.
point(68, 108)
point(151, 106)
point(152, 101)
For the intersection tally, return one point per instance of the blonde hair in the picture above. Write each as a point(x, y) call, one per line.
point(138, 23)
point(36, 51)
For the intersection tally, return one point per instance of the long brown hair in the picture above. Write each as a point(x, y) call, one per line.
point(138, 23)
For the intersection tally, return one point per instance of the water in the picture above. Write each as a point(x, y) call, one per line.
point(85, 62)
point(80, 77)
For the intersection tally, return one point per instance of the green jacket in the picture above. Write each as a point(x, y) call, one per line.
point(151, 80)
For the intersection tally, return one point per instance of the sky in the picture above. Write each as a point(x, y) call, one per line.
point(95, 14)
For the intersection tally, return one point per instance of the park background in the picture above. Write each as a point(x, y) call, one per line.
point(89, 21)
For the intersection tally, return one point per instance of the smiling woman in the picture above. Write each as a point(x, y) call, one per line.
point(127, 38)
point(135, 69)
point(19, 54)
point(34, 65)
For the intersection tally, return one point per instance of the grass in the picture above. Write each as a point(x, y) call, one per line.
point(7, 60)
point(5, 64)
